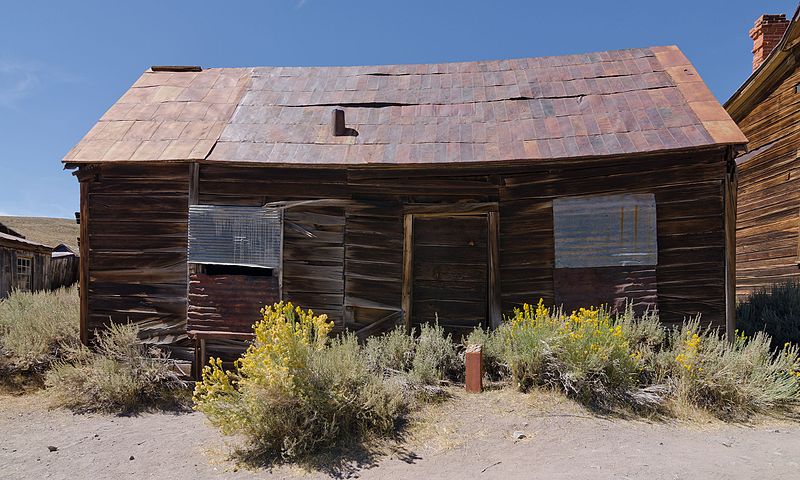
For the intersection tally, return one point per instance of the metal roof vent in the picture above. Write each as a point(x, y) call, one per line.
point(337, 123)
point(338, 126)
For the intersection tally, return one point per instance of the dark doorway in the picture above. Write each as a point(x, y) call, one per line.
point(450, 272)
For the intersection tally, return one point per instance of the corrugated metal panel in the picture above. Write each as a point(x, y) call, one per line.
point(605, 231)
point(235, 235)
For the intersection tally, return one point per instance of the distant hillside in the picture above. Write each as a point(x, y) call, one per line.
point(49, 231)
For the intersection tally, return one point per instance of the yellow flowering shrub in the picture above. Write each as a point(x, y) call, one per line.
point(730, 378)
point(295, 391)
point(587, 353)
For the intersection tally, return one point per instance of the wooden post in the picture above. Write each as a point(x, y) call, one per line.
point(729, 197)
point(474, 369)
point(83, 248)
point(495, 316)
point(408, 268)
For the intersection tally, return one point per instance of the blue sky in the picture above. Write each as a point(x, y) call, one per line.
point(62, 64)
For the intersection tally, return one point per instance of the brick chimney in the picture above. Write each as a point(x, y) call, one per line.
point(766, 33)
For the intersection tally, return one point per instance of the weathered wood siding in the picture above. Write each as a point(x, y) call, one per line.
point(690, 220)
point(343, 253)
point(137, 220)
point(63, 271)
point(313, 260)
point(768, 210)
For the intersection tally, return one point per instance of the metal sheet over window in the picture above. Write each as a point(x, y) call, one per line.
point(235, 235)
point(605, 231)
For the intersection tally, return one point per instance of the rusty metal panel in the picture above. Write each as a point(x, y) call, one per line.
point(229, 303)
point(605, 230)
point(229, 235)
point(607, 103)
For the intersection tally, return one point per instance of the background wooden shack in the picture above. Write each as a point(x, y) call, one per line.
point(767, 109)
point(28, 265)
point(450, 191)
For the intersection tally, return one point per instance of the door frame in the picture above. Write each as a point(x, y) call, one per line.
point(491, 211)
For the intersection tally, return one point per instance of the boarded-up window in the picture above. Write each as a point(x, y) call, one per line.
point(229, 235)
point(605, 231)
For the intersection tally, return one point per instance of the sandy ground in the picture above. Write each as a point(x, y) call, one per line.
point(467, 437)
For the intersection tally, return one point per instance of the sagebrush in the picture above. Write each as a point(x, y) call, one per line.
point(775, 311)
point(730, 378)
point(119, 374)
point(623, 359)
point(295, 393)
point(427, 355)
point(36, 328)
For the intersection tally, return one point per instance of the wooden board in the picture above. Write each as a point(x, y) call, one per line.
point(450, 271)
point(768, 191)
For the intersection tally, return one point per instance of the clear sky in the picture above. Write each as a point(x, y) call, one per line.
point(63, 63)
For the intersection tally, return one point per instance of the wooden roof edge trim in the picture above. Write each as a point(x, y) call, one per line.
point(24, 244)
point(771, 70)
point(498, 164)
point(715, 120)
point(176, 68)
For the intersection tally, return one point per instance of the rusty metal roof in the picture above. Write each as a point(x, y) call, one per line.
point(596, 104)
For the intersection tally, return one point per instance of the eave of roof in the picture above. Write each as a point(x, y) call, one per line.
point(22, 243)
point(781, 61)
point(591, 105)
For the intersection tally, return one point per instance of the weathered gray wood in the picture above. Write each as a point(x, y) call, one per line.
point(495, 314)
point(605, 230)
point(408, 268)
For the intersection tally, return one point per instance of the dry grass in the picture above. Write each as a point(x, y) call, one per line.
point(120, 375)
point(35, 328)
point(49, 231)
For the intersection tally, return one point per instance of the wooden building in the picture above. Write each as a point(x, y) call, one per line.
point(30, 266)
point(767, 109)
point(400, 194)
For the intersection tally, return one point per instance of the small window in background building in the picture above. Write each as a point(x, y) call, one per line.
point(25, 273)
point(605, 231)
point(235, 236)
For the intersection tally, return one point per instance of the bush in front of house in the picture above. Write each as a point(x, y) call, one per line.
point(427, 356)
point(36, 328)
point(609, 360)
point(119, 374)
point(588, 354)
point(732, 379)
point(295, 392)
point(775, 311)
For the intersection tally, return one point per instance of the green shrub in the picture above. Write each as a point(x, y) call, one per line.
point(730, 379)
point(36, 328)
point(120, 374)
point(393, 350)
point(589, 354)
point(294, 393)
point(775, 311)
point(435, 357)
point(428, 358)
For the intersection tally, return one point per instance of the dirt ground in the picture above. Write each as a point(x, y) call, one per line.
point(467, 437)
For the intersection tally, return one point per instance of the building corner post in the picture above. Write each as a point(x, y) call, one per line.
point(730, 190)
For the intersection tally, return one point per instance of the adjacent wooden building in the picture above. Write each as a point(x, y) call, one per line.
point(30, 266)
point(767, 109)
point(404, 194)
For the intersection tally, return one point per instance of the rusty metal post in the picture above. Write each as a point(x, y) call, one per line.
point(474, 369)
